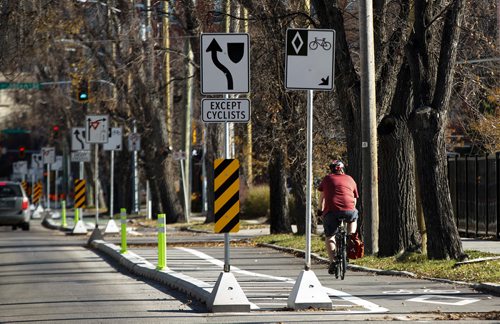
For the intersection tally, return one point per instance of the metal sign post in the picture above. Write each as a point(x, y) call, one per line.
point(225, 69)
point(48, 157)
point(114, 144)
point(96, 183)
point(309, 66)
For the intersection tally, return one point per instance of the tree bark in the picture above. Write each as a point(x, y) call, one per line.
point(280, 222)
point(443, 242)
point(397, 195)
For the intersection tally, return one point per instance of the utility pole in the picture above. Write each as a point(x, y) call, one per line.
point(368, 128)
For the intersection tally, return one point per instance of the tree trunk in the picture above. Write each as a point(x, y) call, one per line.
point(214, 144)
point(280, 222)
point(397, 195)
point(443, 241)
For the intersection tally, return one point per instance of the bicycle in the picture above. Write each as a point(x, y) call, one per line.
point(340, 250)
point(320, 42)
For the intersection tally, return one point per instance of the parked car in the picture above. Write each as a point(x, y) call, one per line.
point(14, 206)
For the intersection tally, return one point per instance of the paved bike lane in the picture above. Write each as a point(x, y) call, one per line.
point(267, 276)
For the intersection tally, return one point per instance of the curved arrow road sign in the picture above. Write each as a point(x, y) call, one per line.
point(225, 63)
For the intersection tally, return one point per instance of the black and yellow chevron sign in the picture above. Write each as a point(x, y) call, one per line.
point(38, 192)
point(24, 184)
point(80, 194)
point(227, 195)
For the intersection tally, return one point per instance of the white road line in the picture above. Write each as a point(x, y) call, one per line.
point(372, 308)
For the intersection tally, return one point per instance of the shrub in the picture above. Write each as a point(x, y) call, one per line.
point(256, 203)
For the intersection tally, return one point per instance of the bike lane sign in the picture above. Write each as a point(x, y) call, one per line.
point(310, 58)
point(225, 63)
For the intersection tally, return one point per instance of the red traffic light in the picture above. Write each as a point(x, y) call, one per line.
point(55, 128)
point(22, 152)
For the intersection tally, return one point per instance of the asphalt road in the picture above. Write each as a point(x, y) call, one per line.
point(46, 276)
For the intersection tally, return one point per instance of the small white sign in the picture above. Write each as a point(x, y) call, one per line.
point(48, 155)
point(78, 141)
point(115, 140)
point(20, 167)
point(96, 128)
point(58, 164)
point(225, 110)
point(179, 155)
point(225, 63)
point(310, 57)
point(81, 156)
point(36, 161)
point(134, 142)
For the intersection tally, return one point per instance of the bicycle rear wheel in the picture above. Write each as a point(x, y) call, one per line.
point(343, 256)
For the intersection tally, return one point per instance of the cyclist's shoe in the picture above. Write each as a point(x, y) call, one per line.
point(332, 268)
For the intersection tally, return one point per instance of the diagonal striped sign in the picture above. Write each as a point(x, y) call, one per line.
point(227, 195)
point(80, 194)
point(24, 184)
point(38, 192)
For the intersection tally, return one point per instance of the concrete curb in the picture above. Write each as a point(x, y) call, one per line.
point(488, 287)
point(195, 288)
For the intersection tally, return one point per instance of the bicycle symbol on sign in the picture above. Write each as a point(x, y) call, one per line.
point(320, 42)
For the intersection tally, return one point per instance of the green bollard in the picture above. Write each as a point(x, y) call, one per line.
point(63, 213)
point(123, 220)
point(162, 243)
point(77, 215)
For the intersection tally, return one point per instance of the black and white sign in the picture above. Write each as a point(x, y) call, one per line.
point(78, 141)
point(115, 140)
point(96, 128)
point(58, 164)
point(20, 167)
point(179, 155)
point(225, 63)
point(48, 155)
point(134, 142)
point(310, 57)
point(36, 161)
point(81, 156)
point(225, 110)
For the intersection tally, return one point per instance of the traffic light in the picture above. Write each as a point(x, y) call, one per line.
point(22, 152)
point(55, 131)
point(82, 91)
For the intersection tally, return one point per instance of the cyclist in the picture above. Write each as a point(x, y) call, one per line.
point(338, 196)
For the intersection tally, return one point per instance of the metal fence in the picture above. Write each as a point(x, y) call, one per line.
point(475, 194)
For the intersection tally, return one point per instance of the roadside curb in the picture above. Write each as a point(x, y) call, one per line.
point(136, 264)
point(488, 287)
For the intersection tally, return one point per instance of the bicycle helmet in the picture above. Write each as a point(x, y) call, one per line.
point(337, 166)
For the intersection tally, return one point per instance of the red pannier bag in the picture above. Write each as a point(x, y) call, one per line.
point(355, 247)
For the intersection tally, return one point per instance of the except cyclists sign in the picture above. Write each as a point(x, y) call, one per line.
point(225, 63)
point(310, 56)
point(225, 110)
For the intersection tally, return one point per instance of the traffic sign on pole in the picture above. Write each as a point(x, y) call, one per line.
point(227, 195)
point(36, 161)
point(115, 140)
point(310, 57)
point(81, 156)
point(78, 142)
point(134, 142)
point(48, 155)
point(225, 63)
point(96, 128)
point(225, 110)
